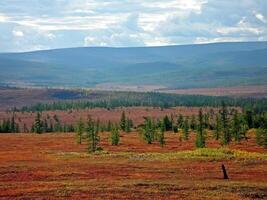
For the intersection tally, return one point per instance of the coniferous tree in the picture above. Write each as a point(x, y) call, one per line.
point(180, 121)
point(45, 126)
point(167, 123)
point(161, 135)
point(17, 130)
point(249, 118)
point(226, 139)
point(206, 120)
point(217, 131)
point(25, 128)
point(186, 129)
point(200, 138)
point(128, 125)
point(148, 131)
point(97, 126)
point(13, 124)
point(92, 136)
point(114, 136)
point(236, 127)
point(193, 123)
point(261, 137)
point(79, 131)
point(109, 126)
point(38, 124)
point(123, 121)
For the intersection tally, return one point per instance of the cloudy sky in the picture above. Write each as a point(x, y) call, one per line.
point(27, 25)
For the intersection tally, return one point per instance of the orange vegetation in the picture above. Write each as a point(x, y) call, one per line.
point(137, 114)
point(53, 166)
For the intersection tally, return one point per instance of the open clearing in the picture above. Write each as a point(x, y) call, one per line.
point(240, 91)
point(137, 114)
point(53, 166)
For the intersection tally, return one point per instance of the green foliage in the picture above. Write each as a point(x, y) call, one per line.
point(226, 138)
point(127, 99)
point(167, 123)
point(109, 126)
point(161, 136)
point(114, 136)
point(186, 129)
point(92, 136)
point(180, 121)
point(237, 129)
point(149, 130)
point(9, 125)
point(129, 125)
point(261, 137)
point(38, 124)
point(123, 121)
point(249, 118)
point(193, 122)
point(218, 128)
point(175, 129)
point(79, 129)
point(201, 136)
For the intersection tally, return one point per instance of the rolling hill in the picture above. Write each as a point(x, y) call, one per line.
point(184, 66)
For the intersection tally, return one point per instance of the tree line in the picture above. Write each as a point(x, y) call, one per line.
point(227, 124)
point(112, 100)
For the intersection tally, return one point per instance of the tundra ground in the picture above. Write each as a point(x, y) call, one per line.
point(53, 166)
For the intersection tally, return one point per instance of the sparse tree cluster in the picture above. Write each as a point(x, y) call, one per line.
point(49, 125)
point(9, 125)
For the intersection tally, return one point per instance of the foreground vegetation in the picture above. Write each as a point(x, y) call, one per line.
point(227, 124)
point(53, 166)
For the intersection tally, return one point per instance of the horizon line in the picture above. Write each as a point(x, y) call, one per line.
point(132, 47)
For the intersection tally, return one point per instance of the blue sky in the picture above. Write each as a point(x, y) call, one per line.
point(27, 25)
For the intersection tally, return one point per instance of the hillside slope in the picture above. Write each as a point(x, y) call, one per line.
point(186, 66)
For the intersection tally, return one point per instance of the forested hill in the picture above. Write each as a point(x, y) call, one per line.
point(186, 66)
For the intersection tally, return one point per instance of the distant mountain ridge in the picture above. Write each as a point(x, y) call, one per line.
point(182, 66)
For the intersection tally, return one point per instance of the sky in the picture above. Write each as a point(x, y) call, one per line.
point(28, 25)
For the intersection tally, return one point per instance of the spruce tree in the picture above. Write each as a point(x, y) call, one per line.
point(109, 126)
point(200, 138)
point(45, 126)
point(261, 137)
point(128, 125)
point(217, 131)
point(161, 135)
point(97, 126)
point(38, 123)
point(226, 139)
point(167, 123)
point(79, 129)
point(13, 124)
point(193, 123)
point(249, 118)
point(236, 127)
point(186, 129)
point(123, 121)
point(148, 131)
point(180, 121)
point(114, 136)
point(92, 136)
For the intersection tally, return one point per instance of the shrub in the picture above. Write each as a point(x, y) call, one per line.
point(261, 137)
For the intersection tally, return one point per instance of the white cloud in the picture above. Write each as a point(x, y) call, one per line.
point(260, 17)
point(203, 40)
point(66, 23)
point(3, 18)
point(18, 33)
point(239, 30)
